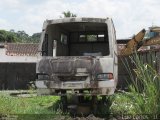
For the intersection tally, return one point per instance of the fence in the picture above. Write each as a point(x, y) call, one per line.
point(151, 57)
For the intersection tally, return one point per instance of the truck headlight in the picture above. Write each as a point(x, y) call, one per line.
point(105, 76)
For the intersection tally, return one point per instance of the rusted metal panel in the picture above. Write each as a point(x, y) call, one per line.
point(65, 66)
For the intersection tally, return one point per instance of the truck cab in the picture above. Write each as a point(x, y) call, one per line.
point(77, 56)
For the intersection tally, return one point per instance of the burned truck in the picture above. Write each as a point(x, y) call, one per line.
point(77, 56)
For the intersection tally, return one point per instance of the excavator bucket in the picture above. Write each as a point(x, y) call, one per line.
point(132, 45)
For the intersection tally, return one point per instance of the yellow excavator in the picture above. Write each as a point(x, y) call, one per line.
point(143, 38)
point(152, 37)
point(132, 45)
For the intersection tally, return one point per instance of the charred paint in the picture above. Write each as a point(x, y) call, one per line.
point(66, 68)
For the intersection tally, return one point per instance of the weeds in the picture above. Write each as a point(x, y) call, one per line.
point(146, 88)
point(144, 92)
point(143, 97)
point(34, 107)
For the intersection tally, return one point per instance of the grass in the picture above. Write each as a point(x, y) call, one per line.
point(122, 104)
point(34, 107)
point(144, 92)
point(146, 88)
point(143, 97)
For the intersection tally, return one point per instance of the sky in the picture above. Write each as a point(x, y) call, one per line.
point(129, 16)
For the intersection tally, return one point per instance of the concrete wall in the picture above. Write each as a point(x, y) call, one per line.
point(2, 52)
point(16, 75)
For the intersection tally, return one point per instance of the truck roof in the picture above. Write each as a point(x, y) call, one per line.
point(73, 19)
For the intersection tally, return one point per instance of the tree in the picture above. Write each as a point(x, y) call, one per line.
point(12, 30)
point(24, 37)
point(35, 38)
point(10, 37)
point(20, 36)
point(3, 35)
point(69, 14)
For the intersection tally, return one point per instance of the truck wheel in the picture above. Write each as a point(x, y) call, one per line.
point(64, 103)
point(104, 107)
point(104, 99)
point(94, 104)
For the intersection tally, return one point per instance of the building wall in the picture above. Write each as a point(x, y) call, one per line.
point(16, 75)
point(2, 52)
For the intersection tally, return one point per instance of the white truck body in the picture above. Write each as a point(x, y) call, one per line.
point(77, 56)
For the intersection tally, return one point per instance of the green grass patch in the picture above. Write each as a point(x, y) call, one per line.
point(144, 92)
point(34, 105)
point(122, 104)
point(38, 107)
point(142, 98)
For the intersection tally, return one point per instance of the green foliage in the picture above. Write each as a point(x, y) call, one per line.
point(146, 88)
point(20, 37)
point(144, 92)
point(69, 14)
point(122, 104)
point(6, 36)
point(35, 37)
point(39, 107)
point(33, 105)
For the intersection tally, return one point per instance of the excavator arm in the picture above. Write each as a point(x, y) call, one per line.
point(134, 43)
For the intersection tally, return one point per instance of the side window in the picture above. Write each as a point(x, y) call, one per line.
point(45, 46)
point(91, 38)
point(95, 37)
point(101, 37)
point(64, 39)
point(82, 38)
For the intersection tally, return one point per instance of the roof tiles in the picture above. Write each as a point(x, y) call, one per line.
point(21, 49)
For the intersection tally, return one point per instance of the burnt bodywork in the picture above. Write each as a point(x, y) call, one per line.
point(78, 56)
point(71, 69)
point(69, 66)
